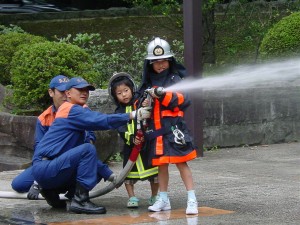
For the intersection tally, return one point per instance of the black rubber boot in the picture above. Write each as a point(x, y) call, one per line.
point(81, 203)
point(52, 198)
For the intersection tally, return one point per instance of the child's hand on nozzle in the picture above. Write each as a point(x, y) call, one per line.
point(146, 102)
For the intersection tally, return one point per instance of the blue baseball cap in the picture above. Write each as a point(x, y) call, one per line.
point(79, 82)
point(59, 82)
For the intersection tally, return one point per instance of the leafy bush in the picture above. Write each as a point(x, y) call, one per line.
point(11, 28)
point(9, 44)
point(282, 39)
point(33, 66)
point(124, 54)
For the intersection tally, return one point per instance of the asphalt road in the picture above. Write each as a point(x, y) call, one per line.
point(249, 185)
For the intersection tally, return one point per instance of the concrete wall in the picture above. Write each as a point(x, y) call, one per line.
point(16, 141)
point(251, 116)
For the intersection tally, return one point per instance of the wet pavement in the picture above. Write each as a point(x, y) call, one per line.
point(247, 185)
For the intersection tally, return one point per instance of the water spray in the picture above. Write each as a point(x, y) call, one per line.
point(283, 73)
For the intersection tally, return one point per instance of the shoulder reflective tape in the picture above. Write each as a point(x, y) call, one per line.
point(180, 98)
point(167, 99)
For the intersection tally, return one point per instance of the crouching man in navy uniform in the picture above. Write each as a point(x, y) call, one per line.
point(62, 161)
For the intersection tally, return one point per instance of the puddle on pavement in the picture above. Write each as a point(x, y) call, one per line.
point(20, 217)
point(161, 218)
point(29, 214)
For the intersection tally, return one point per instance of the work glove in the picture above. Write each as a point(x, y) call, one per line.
point(113, 178)
point(34, 191)
point(142, 113)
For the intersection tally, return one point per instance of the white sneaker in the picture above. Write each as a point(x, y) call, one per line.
point(192, 207)
point(160, 205)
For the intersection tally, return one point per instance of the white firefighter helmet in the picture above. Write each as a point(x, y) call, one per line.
point(158, 49)
point(116, 77)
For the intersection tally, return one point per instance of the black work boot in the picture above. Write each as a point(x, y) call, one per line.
point(52, 198)
point(81, 202)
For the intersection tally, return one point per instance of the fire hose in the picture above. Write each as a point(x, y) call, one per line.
point(130, 163)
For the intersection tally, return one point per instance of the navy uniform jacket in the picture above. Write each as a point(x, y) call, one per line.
point(68, 129)
point(46, 119)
